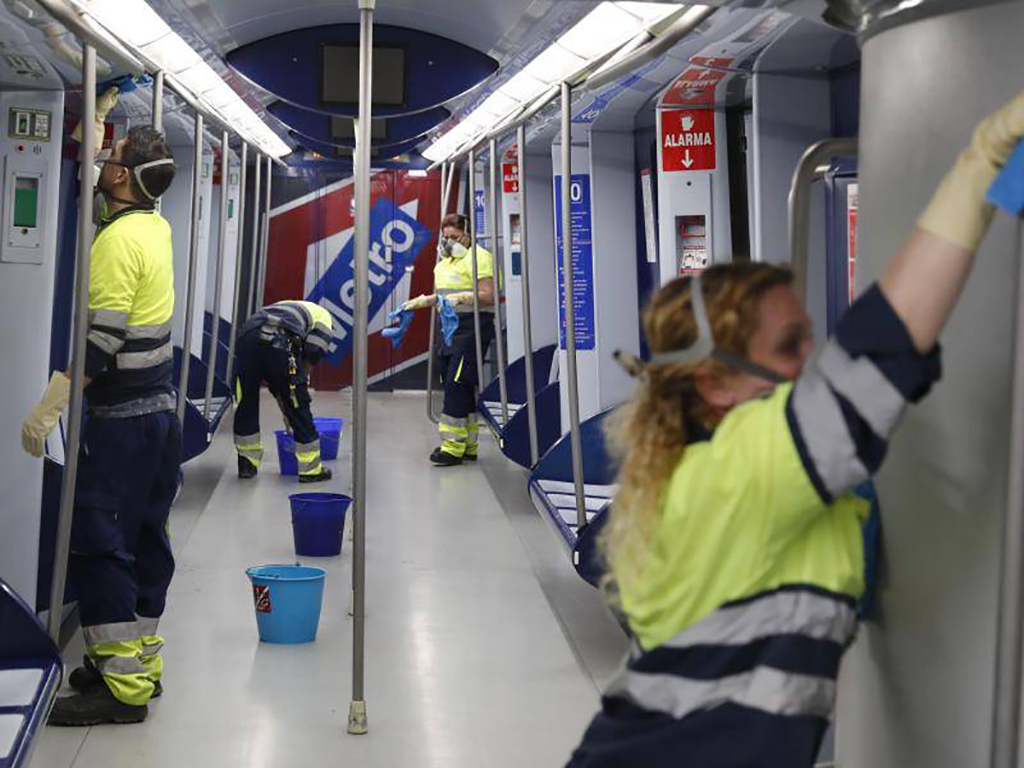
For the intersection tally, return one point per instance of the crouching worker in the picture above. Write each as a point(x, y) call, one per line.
point(279, 345)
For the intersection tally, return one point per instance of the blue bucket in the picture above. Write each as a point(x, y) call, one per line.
point(286, 453)
point(330, 435)
point(318, 520)
point(287, 600)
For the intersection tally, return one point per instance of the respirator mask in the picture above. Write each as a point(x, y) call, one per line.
point(102, 198)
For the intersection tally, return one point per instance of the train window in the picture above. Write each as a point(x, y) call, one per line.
point(341, 75)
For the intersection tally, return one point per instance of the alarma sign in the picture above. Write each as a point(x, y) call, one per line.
point(687, 140)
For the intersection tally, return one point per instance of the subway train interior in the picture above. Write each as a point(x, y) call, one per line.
point(373, 160)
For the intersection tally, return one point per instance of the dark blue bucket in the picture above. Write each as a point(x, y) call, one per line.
point(287, 600)
point(318, 520)
point(286, 453)
point(329, 428)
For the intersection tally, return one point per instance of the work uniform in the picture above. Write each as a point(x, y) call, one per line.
point(121, 562)
point(458, 428)
point(746, 600)
point(272, 347)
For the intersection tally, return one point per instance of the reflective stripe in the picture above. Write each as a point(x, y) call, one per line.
point(110, 318)
point(249, 441)
point(106, 342)
point(825, 433)
point(121, 632)
point(317, 341)
point(308, 461)
point(455, 448)
point(794, 613)
point(452, 421)
point(119, 665)
point(307, 447)
point(164, 401)
point(138, 332)
point(877, 401)
point(458, 373)
point(766, 689)
point(147, 626)
point(133, 361)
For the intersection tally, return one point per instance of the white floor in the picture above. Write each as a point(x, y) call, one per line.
point(467, 663)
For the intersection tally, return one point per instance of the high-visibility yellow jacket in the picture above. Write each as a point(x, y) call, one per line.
point(309, 324)
point(129, 355)
point(454, 274)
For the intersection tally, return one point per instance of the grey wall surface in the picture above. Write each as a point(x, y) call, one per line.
point(916, 688)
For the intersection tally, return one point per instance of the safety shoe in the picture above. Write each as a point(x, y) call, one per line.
point(470, 457)
point(86, 676)
point(321, 476)
point(97, 706)
point(246, 469)
point(440, 458)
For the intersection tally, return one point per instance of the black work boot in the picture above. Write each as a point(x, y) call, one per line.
point(246, 469)
point(86, 676)
point(97, 706)
point(440, 458)
point(319, 477)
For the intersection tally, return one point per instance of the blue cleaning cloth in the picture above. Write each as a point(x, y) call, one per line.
point(397, 332)
point(1007, 191)
point(449, 320)
point(124, 83)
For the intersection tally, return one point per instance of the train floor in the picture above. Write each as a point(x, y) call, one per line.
point(483, 648)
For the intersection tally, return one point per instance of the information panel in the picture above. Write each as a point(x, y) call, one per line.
point(582, 259)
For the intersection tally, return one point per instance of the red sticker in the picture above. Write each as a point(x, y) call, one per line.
point(687, 140)
point(261, 596)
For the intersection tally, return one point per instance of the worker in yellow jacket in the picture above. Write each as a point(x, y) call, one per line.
point(735, 543)
point(121, 563)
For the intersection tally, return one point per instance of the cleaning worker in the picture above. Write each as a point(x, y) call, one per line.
point(734, 543)
point(121, 563)
point(453, 279)
point(279, 345)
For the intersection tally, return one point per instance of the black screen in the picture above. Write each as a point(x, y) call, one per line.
point(344, 128)
point(341, 75)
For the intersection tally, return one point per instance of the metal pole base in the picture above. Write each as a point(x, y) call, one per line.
point(352, 602)
point(357, 724)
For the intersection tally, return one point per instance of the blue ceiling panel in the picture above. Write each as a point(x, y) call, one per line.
point(317, 125)
point(290, 66)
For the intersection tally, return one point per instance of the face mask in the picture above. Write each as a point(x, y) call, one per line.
point(457, 249)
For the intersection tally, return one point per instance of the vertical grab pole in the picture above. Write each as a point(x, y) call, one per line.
point(531, 395)
point(570, 310)
point(1006, 697)
point(527, 328)
point(265, 252)
point(499, 281)
point(476, 288)
point(158, 110)
point(446, 188)
point(193, 259)
point(239, 217)
point(357, 723)
point(67, 490)
point(254, 258)
point(222, 241)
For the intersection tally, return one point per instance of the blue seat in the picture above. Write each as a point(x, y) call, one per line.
point(514, 438)
point(553, 494)
point(197, 432)
point(223, 341)
point(30, 676)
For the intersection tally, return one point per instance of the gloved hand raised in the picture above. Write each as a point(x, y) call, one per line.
point(425, 300)
point(958, 211)
point(43, 418)
point(104, 104)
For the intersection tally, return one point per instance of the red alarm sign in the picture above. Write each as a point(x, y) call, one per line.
point(510, 177)
point(687, 140)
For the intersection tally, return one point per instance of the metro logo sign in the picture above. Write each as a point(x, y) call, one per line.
point(687, 140)
point(392, 231)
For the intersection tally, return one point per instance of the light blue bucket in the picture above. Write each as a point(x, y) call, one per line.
point(287, 599)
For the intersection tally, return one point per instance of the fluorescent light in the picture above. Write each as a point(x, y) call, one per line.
point(145, 24)
point(554, 64)
point(650, 12)
point(606, 27)
point(200, 78)
point(169, 53)
point(524, 87)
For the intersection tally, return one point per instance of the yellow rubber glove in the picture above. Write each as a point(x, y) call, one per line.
point(958, 211)
point(104, 104)
point(460, 299)
point(40, 423)
point(419, 302)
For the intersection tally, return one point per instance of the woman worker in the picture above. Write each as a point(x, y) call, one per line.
point(453, 280)
point(734, 543)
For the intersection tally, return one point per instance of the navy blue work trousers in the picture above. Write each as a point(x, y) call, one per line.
point(121, 562)
point(458, 366)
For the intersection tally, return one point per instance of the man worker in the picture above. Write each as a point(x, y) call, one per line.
point(279, 345)
point(120, 563)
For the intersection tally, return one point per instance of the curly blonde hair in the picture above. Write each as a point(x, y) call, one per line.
point(649, 434)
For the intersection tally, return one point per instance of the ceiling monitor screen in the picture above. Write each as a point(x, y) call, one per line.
point(344, 128)
point(341, 75)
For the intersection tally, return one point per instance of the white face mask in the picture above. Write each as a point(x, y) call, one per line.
point(457, 250)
